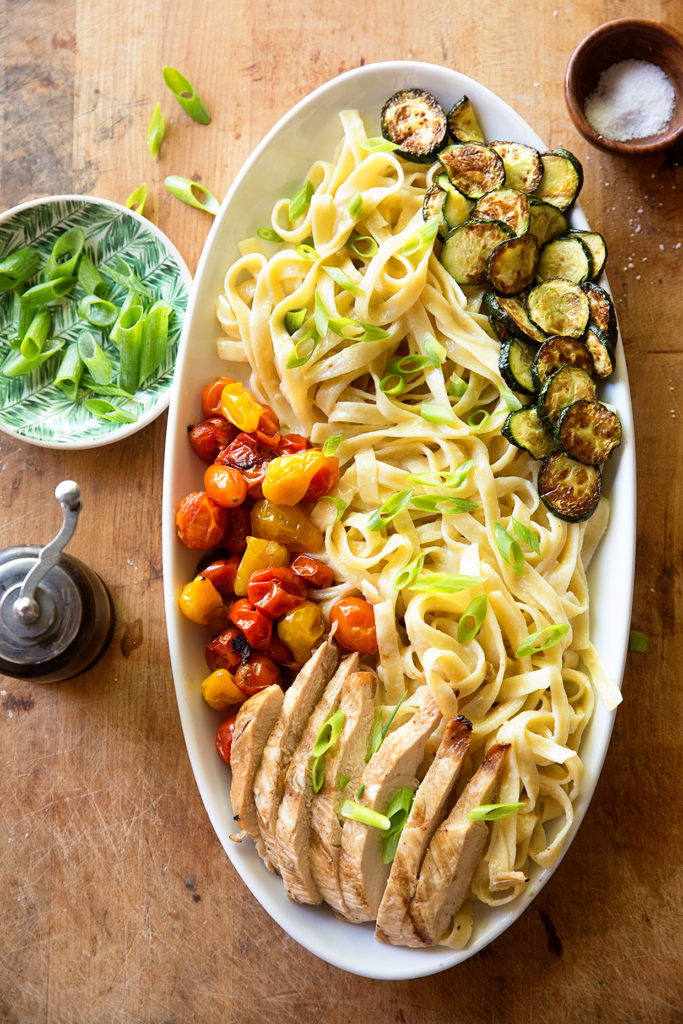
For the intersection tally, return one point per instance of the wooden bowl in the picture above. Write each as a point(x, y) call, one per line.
point(623, 39)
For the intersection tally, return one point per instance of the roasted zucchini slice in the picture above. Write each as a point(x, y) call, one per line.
point(473, 168)
point(601, 351)
point(567, 488)
point(508, 205)
point(413, 120)
point(597, 246)
point(564, 387)
point(526, 430)
point(602, 313)
point(432, 206)
point(511, 311)
point(559, 306)
point(465, 251)
point(511, 266)
point(457, 206)
point(515, 362)
point(588, 432)
point(562, 178)
point(556, 352)
point(545, 221)
point(567, 257)
point(523, 167)
point(463, 124)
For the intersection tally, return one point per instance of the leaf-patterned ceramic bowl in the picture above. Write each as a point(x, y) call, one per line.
point(32, 408)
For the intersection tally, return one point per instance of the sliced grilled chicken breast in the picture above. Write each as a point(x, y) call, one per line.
point(428, 811)
point(362, 873)
point(254, 723)
point(300, 699)
point(292, 832)
point(453, 855)
point(347, 759)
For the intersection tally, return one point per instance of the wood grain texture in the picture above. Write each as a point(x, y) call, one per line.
point(118, 903)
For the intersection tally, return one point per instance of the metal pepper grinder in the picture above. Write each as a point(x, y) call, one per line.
point(56, 615)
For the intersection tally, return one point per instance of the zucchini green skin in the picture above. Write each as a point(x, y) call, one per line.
point(457, 207)
point(523, 166)
point(462, 122)
point(568, 489)
point(433, 206)
point(525, 429)
point(512, 313)
point(588, 432)
point(414, 121)
point(562, 388)
point(511, 267)
point(465, 251)
point(601, 351)
point(473, 168)
point(602, 314)
point(508, 205)
point(515, 363)
point(562, 179)
point(559, 351)
point(558, 306)
point(597, 246)
point(567, 256)
point(545, 220)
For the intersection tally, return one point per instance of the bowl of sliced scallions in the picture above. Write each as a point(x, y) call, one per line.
point(92, 301)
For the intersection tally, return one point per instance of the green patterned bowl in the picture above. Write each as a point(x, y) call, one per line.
point(32, 408)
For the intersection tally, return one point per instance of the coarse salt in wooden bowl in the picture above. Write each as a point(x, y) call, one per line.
point(639, 39)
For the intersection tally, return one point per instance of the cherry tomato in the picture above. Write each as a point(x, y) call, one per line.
point(355, 620)
point(256, 626)
point(268, 429)
point(250, 458)
point(223, 652)
point(290, 444)
point(225, 485)
point(208, 437)
point(280, 653)
point(312, 572)
point(211, 397)
point(258, 673)
point(238, 528)
point(200, 522)
point(224, 737)
point(324, 480)
point(276, 591)
point(221, 572)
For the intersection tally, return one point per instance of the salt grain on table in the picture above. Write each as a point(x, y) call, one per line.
point(634, 99)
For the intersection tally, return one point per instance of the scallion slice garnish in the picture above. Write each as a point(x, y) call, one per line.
point(445, 583)
point(302, 350)
point(378, 145)
point(364, 246)
point(343, 280)
point(434, 413)
point(294, 319)
point(361, 790)
point(435, 352)
point(388, 510)
point(442, 478)
point(456, 386)
point(156, 131)
point(638, 642)
point(542, 639)
point(365, 815)
point(409, 364)
point(340, 505)
point(343, 781)
point(408, 574)
point(491, 812)
point(328, 735)
point(379, 731)
point(332, 444)
point(186, 95)
point(393, 384)
point(355, 206)
point(192, 193)
point(420, 239)
point(356, 330)
point(397, 812)
point(509, 548)
point(444, 504)
point(526, 535)
point(321, 315)
point(269, 235)
point(472, 619)
point(511, 401)
point(299, 204)
point(136, 200)
point(306, 252)
point(478, 419)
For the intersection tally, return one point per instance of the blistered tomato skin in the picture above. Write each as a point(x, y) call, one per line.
point(224, 737)
point(258, 673)
point(355, 619)
point(200, 522)
point(238, 528)
point(251, 458)
point(240, 407)
point(225, 485)
point(287, 525)
point(300, 628)
point(210, 436)
point(256, 626)
point(222, 652)
point(221, 572)
point(211, 397)
point(276, 591)
point(292, 443)
point(312, 572)
point(268, 429)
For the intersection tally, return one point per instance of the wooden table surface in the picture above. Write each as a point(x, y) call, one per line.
point(118, 903)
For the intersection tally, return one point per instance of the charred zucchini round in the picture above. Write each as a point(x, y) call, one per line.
point(473, 168)
point(562, 178)
point(568, 489)
point(564, 387)
point(457, 206)
point(601, 351)
point(526, 430)
point(511, 311)
point(602, 313)
point(515, 363)
point(568, 257)
point(588, 432)
point(413, 120)
point(508, 205)
point(432, 206)
point(559, 306)
point(463, 124)
point(556, 352)
point(545, 221)
point(597, 246)
point(465, 250)
point(511, 266)
point(523, 167)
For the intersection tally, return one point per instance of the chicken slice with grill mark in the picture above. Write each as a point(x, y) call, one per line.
point(362, 873)
point(453, 855)
point(292, 833)
point(253, 725)
point(347, 759)
point(300, 699)
point(428, 811)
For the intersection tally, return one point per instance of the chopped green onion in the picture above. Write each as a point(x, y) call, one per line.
point(89, 277)
point(444, 504)
point(48, 291)
point(478, 419)
point(343, 280)
point(443, 478)
point(526, 535)
point(511, 401)
point(35, 337)
point(387, 386)
point(406, 577)
point(268, 234)
point(66, 252)
point(192, 193)
point(408, 364)
point(136, 200)
point(378, 145)
point(108, 389)
point(435, 352)
point(185, 93)
point(371, 332)
point(332, 444)
point(155, 131)
point(355, 206)
point(445, 583)
point(329, 733)
point(298, 206)
point(294, 319)
point(421, 238)
point(456, 386)
point(96, 360)
point(491, 812)
point(21, 318)
point(542, 640)
point(129, 327)
point(365, 815)
point(361, 790)
point(18, 267)
point(368, 248)
point(109, 411)
point(379, 731)
point(128, 279)
point(98, 312)
point(397, 812)
point(340, 505)
point(154, 339)
point(388, 510)
point(343, 782)
point(17, 365)
point(509, 548)
point(472, 619)
point(638, 642)
point(321, 316)
point(70, 371)
point(434, 413)
point(306, 252)
point(345, 327)
point(302, 350)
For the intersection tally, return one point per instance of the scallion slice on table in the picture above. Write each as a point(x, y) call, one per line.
point(542, 639)
point(70, 371)
point(156, 131)
point(638, 642)
point(136, 200)
point(186, 95)
point(17, 267)
point(95, 358)
point(36, 335)
point(48, 291)
point(66, 252)
point(472, 619)
point(154, 339)
point(491, 812)
point(192, 193)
